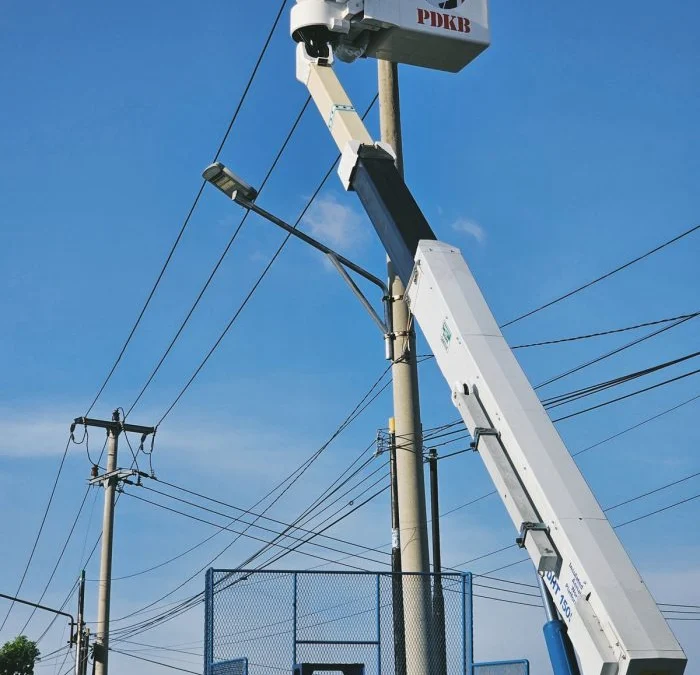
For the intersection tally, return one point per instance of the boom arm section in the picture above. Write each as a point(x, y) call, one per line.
point(612, 619)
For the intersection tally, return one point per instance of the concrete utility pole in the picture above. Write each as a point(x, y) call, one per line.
point(105, 587)
point(82, 639)
point(110, 479)
point(396, 585)
point(409, 437)
point(439, 644)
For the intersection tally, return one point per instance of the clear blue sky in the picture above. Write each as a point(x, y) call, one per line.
point(570, 146)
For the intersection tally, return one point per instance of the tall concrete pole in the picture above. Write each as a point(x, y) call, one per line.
point(80, 649)
point(409, 440)
point(396, 581)
point(439, 645)
point(105, 588)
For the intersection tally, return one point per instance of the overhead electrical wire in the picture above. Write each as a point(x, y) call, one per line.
point(195, 546)
point(192, 208)
point(298, 221)
point(507, 590)
point(257, 283)
point(223, 255)
point(41, 529)
point(626, 396)
point(285, 484)
point(174, 245)
point(58, 562)
point(638, 425)
point(235, 508)
point(613, 352)
point(661, 510)
point(601, 278)
point(245, 563)
point(325, 527)
point(616, 435)
point(228, 529)
point(619, 525)
point(197, 598)
point(569, 397)
point(606, 332)
point(302, 214)
point(157, 663)
point(507, 581)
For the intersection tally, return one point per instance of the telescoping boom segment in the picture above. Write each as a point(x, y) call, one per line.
point(611, 618)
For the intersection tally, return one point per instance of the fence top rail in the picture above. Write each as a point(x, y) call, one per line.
point(250, 572)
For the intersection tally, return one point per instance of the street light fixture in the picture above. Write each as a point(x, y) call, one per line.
point(228, 182)
point(243, 194)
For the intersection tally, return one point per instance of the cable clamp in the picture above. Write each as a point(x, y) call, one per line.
point(483, 431)
point(527, 527)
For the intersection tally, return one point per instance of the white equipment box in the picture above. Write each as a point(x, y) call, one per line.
point(437, 34)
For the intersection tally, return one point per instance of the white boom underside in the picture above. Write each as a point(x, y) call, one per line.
point(612, 619)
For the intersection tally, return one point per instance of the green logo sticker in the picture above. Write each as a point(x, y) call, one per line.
point(446, 336)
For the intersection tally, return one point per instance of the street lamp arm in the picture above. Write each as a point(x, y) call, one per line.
point(44, 607)
point(295, 232)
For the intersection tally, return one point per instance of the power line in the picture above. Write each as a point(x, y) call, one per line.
point(158, 663)
point(228, 529)
point(613, 352)
point(41, 529)
point(195, 600)
point(215, 346)
point(605, 510)
point(653, 513)
point(505, 581)
point(266, 529)
point(221, 258)
point(197, 597)
point(601, 278)
point(606, 332)
point(191, 211)
point(71, 593)
point(58, 562)
point(615, 527)
point(267, 563)
point(366, 400)
point(626, 396)
point(563, 399)
point(255, 286)
point(636, 426)
point(651, 492)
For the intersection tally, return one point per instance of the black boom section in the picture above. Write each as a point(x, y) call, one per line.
point(396, 217)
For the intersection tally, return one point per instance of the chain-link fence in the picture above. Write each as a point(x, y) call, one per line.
point(275, 619)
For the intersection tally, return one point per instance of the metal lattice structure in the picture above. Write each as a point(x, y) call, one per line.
point(276, 619)
point(502, 668)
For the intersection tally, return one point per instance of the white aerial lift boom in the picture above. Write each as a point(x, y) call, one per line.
point(610, 616)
